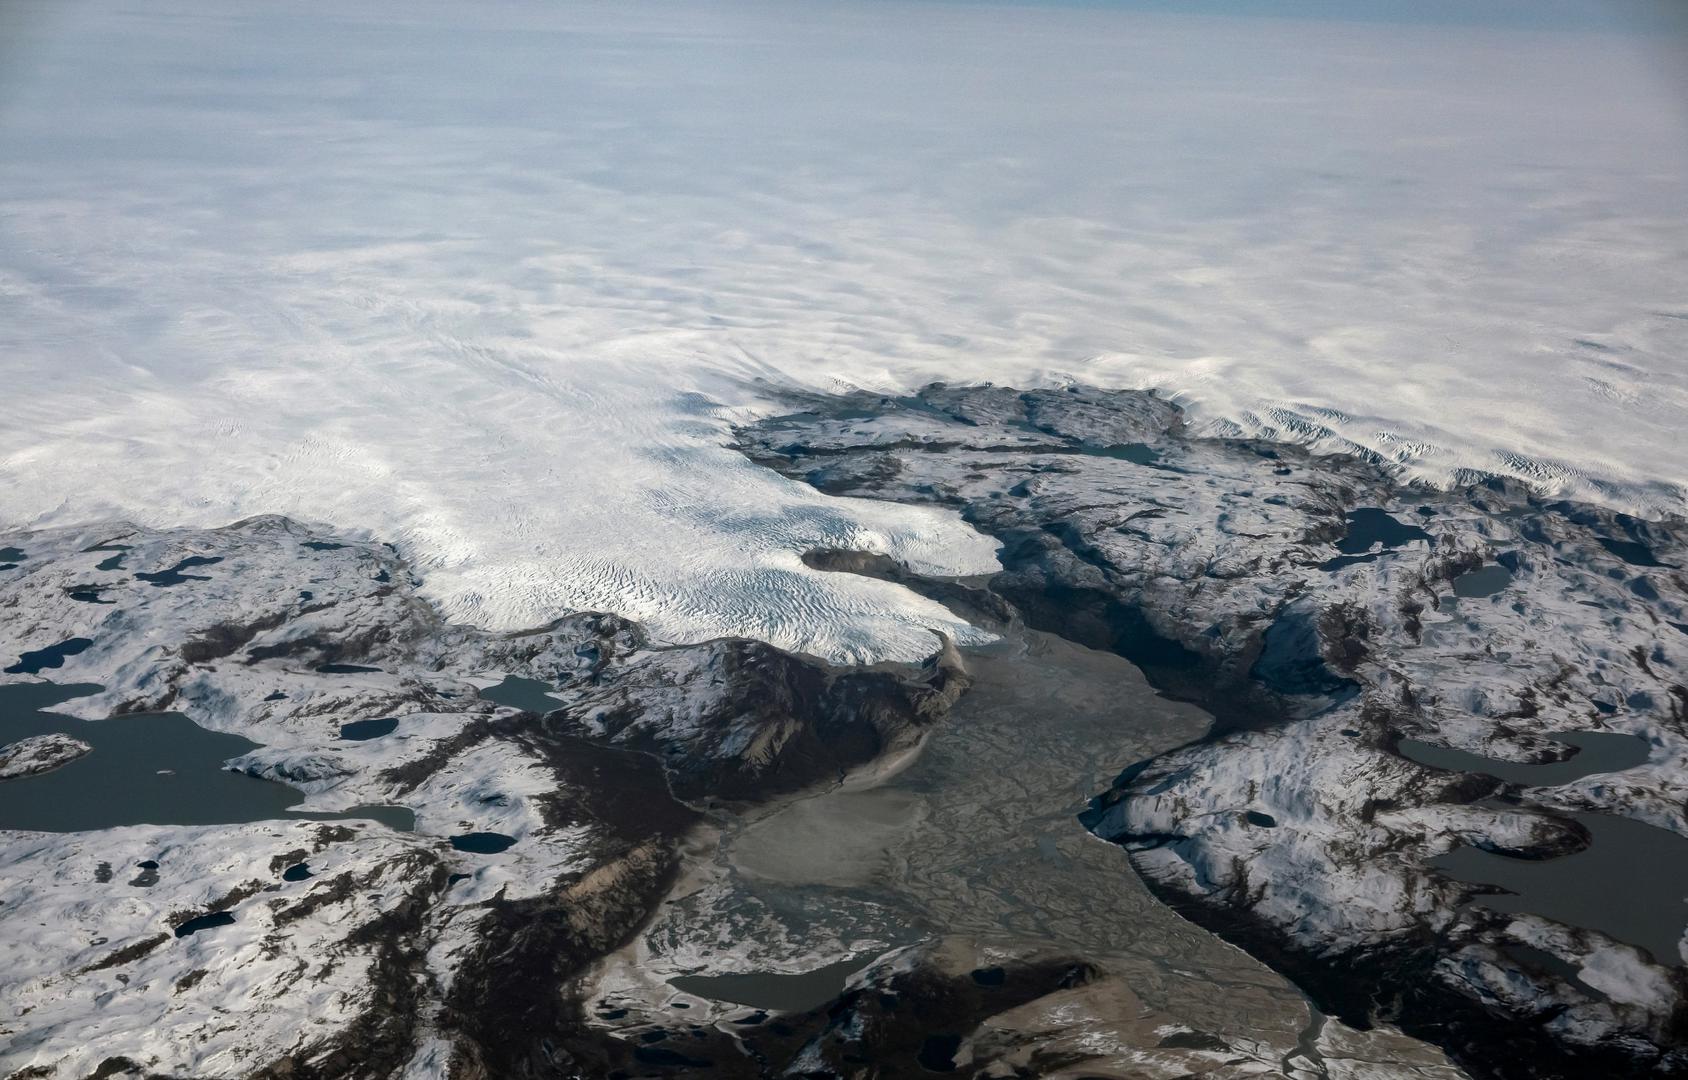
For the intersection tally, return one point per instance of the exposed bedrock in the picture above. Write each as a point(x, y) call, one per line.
point(1365, 646)
point(292, 948)
point(38, 754)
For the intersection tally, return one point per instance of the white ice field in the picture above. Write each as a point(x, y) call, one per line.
point(493, 281)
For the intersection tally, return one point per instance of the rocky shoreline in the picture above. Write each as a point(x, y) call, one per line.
point(39, 754)
point(1241, 575)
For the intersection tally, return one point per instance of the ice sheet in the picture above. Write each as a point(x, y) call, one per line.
point(494, 282)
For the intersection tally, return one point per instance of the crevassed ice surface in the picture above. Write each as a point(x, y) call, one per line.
point(494, 280)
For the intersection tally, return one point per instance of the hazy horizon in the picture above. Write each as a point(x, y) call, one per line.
point(494, 282)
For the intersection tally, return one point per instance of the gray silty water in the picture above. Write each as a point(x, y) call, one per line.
point(1596, 752)
point(145, 768)
point(978, 839)
point(1629, 882)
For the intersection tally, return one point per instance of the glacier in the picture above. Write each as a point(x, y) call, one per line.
point(497, 285)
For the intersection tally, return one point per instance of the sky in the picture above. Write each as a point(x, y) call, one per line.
point(493, 281)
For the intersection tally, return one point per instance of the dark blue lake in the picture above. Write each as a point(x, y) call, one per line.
point(145, 768)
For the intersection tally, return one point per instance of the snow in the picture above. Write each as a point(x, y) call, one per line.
point(39, 754)
point(1625, 976)
point(284, 634)
point(495, 284)
point(287, 986)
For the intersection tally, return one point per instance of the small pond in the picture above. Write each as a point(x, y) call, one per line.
point(1369, 527)
point(174, 576)
point(1137, 453)
point(529, 695)
point(364, 730)
point(1483, 581)
point(204, 922)
point(1631, 552)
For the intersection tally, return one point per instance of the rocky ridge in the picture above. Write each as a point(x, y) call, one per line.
point(1246, 576)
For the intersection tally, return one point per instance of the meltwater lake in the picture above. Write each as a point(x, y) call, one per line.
point(1628, 882)
point(145, 769)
